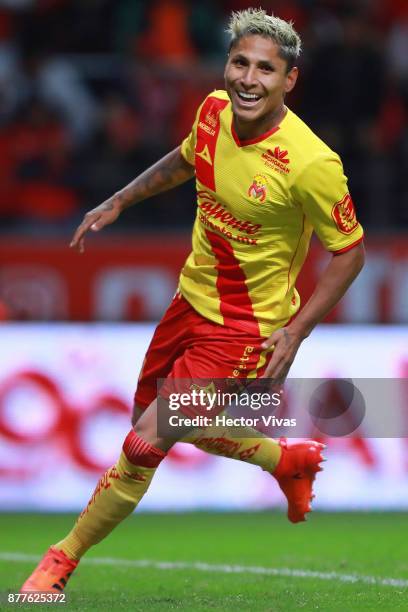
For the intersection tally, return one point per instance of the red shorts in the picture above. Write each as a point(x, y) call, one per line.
point(186, 345)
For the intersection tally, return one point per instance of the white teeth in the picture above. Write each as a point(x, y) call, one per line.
point(247, 96)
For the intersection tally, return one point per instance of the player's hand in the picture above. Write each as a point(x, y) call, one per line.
point(285, 343)
point(95, 220)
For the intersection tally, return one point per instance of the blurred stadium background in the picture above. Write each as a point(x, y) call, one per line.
point(93, 92)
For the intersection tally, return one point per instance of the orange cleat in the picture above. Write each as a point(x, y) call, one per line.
point(51, 574)
point(295, 474)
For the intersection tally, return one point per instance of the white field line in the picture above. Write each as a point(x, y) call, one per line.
point(10, 557)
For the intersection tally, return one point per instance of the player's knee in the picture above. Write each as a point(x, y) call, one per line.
point(146, 428)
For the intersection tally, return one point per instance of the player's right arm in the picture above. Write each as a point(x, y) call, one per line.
point(170, 171)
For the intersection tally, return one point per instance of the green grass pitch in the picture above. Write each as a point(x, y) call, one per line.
point(369, 547)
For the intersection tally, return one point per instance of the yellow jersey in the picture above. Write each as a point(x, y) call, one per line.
point(258, 203)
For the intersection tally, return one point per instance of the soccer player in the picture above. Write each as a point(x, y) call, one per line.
point(264, 182)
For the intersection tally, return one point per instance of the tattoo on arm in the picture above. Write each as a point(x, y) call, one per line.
point(170, 171)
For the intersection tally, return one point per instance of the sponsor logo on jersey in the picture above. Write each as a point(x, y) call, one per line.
point(206, 128)
point(257, 189)
point(210, 122)
point(344, 215)
point(212, 119)
point(277, 159)
point(214, 210)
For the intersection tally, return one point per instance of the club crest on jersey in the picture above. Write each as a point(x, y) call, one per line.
point(257, 189)
point(344, 215)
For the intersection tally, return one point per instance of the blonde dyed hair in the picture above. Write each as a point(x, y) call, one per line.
point(256, 21)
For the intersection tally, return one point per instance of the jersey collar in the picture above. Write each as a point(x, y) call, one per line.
point(251, 141)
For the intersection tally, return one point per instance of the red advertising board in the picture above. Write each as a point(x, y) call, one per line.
point(124, 278)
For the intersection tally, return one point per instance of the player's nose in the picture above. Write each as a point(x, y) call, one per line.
point(248, 77)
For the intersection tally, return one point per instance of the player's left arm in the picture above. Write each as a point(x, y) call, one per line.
point(332, 285)
point(322, 191)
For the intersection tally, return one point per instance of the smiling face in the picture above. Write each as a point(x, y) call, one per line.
point(256, 79)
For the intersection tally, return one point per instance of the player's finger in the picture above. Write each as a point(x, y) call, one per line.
point(272, 367)
point(269, 342)
point(98, 222)
point(95, 227)
point(280, 373)
point(79, 232)
point(82, 229)
point(279, 364)
point(278, 376)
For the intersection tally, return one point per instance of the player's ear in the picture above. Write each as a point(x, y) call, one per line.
point(291, 79)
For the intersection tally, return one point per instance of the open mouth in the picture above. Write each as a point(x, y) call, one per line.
point(248, 99)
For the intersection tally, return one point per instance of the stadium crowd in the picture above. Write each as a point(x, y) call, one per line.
point(93, 92)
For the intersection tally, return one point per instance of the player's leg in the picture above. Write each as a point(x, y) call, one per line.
point(249, 446)
point(214, 351)
point(295, 469)
point(123, 485)
point(196, 341)
point(136, 413)
point(293, 466)
point(204, 349)
point(116, 495)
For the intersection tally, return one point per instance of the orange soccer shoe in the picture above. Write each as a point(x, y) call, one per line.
point(295, 474)
point(51, 574)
